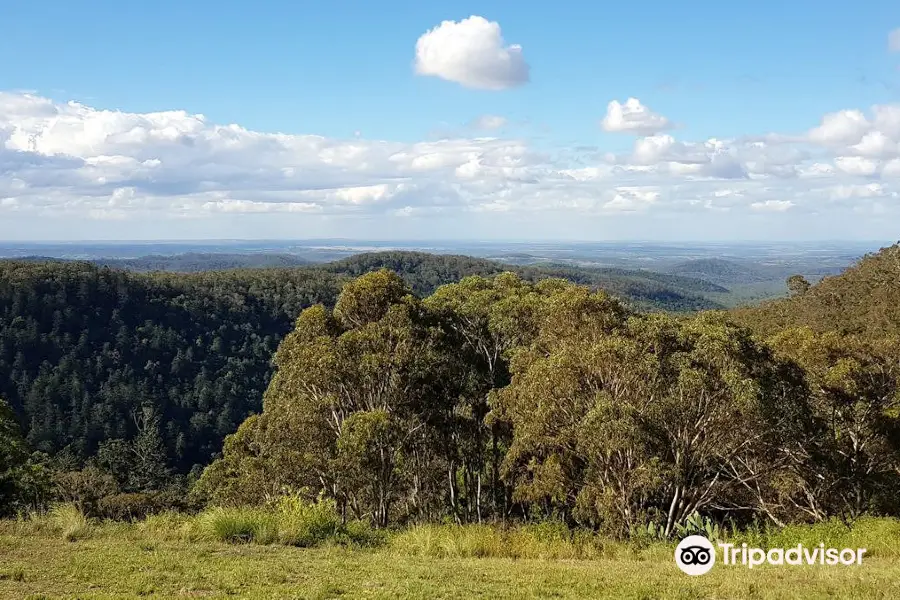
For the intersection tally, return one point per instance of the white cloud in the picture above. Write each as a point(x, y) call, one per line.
point(856, 165)
point(843, 127)
point(69, 163)
point(628, 199)
point(894, 40)
point(891, 168)
point(633, 117)
point(875, 144)
point(489, 122)
point(846, 192)
point(772, 205)
point(473, 53)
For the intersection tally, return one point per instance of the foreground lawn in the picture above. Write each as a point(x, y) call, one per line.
point(121, 562)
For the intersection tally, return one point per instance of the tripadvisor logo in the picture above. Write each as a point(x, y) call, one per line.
point(695, 555)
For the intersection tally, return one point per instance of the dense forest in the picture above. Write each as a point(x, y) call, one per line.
point(84, 348)
point(452, 390)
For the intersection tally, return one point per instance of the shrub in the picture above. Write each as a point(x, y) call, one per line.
point(85, 488)
point(127, 507)
point(361, 533)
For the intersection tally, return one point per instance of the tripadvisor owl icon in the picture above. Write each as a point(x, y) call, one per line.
point(695, 555)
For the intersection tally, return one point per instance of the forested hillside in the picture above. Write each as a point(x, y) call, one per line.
point(492, 397)
point(84, 349)
point(642, 289)
point(195, 262)
point(863, 300)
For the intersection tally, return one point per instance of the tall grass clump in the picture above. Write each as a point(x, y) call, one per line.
point(70, 521)
point(289, 520)
point(542, 541)
point(880, 536)
point(229, 524)
point(306, 524)
point(170, 525)
point(309, 524)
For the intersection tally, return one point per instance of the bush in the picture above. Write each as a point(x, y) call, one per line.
point(85, 488)
point(361, 533)
point(127, 507)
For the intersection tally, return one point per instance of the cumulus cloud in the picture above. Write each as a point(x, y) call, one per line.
point(844, 127)
point(633, 117)
point(61, 162)
point(875, 135)
point(472, 53)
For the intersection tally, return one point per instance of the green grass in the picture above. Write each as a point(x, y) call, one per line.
point(169, 556)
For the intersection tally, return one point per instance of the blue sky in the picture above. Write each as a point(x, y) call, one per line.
point(346, 71)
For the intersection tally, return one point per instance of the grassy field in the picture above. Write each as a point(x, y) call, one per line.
point(130, 561)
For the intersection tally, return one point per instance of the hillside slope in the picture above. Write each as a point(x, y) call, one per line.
point(864, 300)
point(194, 262)
point(642, 289)
point(722, 271)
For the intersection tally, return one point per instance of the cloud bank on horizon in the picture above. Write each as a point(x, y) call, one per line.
point(73, 163)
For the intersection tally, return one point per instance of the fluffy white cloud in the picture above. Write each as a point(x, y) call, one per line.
point(844, 127)
point(875, 144)
point(67, 163)
point(875, 135)
point(633, 117)
point(894, 40)
point(856, 165)
point(473, 53)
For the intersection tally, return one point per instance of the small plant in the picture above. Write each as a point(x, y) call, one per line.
point(696, 524)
